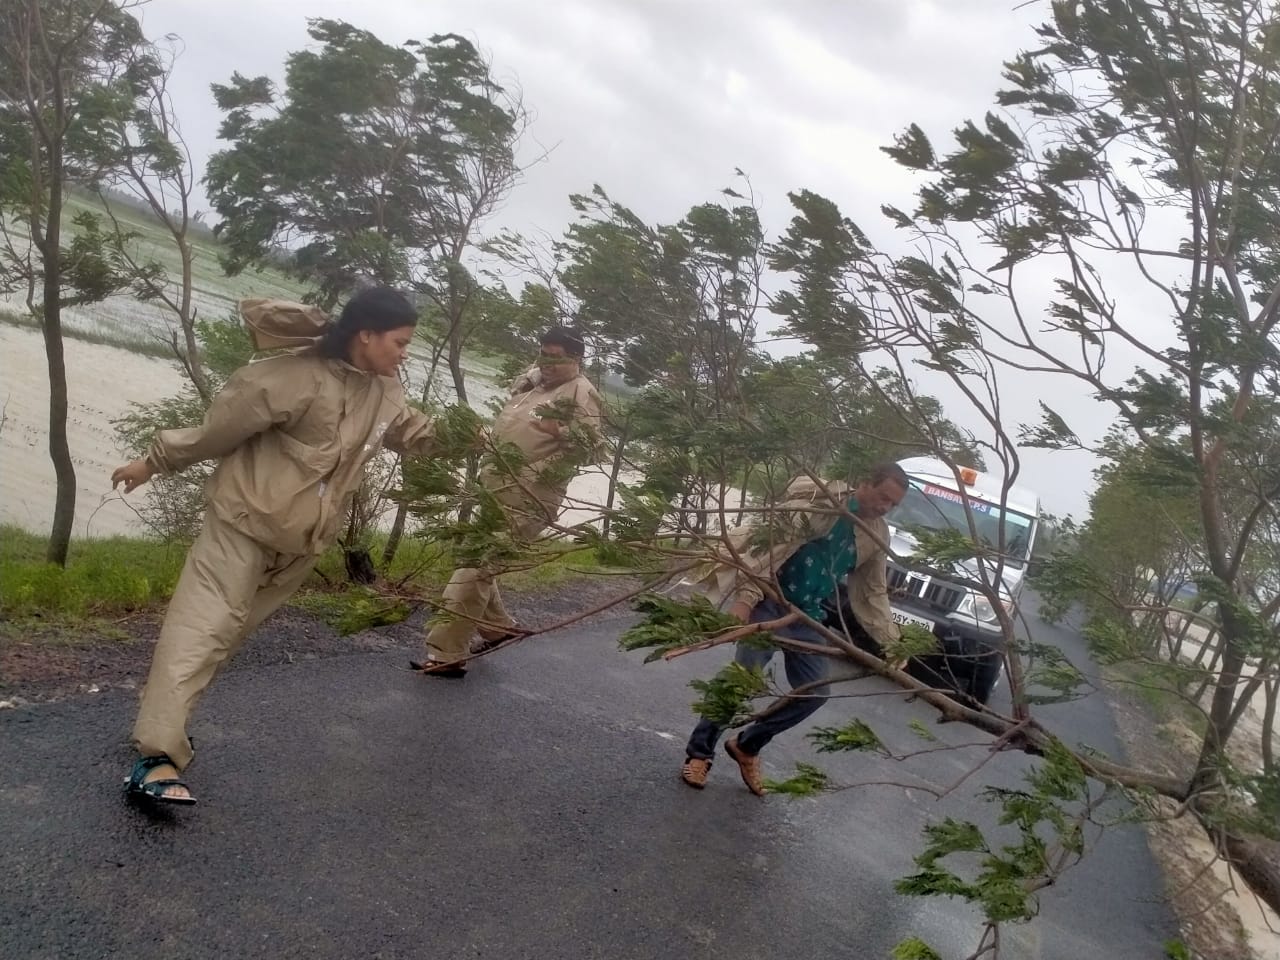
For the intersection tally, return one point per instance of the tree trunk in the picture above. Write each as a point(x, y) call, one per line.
point(1258, 863)
point(742, 497)
point(397, 527)
point(1219, 727)
point(195, 363)
point(64, 509)
point(358, 560)
point(614, 471)
point(360, 568)
point(1210, 640)
point(402, 508)
point(455, 362)
point(1269, 727)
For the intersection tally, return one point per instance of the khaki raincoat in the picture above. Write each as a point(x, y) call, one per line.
point(531, 498)
point(293, 434)
point(515, 425)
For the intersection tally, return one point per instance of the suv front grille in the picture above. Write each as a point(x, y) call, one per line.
point(936, 596)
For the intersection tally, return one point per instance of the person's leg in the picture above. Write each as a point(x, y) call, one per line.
point(279, 582)
point(494, 622)
point(802, 669)
point(702, 742)
point(202, 626)
point(527, 519)
point(465, 601)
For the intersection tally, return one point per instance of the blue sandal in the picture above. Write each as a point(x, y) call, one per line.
point(154, 791)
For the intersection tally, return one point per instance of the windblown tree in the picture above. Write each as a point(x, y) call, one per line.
point(1139, 548)
point(1135, 150)
point(71, 72)
point(154, 168)
point(676, 309)
point(375, 161)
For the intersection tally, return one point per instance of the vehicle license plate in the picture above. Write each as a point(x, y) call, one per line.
point(900, 616)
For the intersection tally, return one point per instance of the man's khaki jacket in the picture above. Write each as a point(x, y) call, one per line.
point(763, 546)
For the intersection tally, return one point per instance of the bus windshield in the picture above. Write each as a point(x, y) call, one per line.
point(937, 508)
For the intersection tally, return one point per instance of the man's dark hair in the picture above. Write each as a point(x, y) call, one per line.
point(888, 471)
point(378, 309)
point(566, 337)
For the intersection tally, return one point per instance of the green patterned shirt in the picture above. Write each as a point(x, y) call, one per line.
point(813, 572)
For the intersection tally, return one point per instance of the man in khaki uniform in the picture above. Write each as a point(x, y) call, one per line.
point(553, 412)
point(818, 538)
point(292, 435)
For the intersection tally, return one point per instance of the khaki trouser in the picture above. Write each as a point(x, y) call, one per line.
point(471, 599)
point(229, 585)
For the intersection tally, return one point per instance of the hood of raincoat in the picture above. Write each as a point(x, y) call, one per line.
point(275, 324)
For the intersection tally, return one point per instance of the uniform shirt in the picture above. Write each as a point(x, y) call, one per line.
point(516, 423)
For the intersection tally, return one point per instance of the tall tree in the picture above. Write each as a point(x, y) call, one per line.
point(375, 161)
point(71, 71)
point(675, 308)
point(154, 168)
point(1135, 147)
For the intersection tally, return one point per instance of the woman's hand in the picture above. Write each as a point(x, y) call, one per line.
point(132, 475)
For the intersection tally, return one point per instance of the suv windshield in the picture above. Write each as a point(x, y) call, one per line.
point(937, 508)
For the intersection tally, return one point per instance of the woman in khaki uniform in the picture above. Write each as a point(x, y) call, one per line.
point(292, 435)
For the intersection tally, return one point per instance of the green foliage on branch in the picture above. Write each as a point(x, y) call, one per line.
point(960, 861)
point(671, 624)
point(726, 695)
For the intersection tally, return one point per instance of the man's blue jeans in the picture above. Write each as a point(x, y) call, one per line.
point(802, 669)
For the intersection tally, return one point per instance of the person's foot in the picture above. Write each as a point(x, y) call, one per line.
point(156, 779)
point(439, 668)
point(172, 791)
point(487, 639)
point(694, 772)
point(748, 766)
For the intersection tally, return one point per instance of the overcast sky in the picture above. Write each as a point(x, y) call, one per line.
point(659, 100)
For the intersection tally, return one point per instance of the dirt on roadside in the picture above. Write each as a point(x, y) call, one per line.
point(42, 662)
point(1220, 918)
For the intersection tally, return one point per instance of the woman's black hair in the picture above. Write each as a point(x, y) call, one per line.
point(374, 308)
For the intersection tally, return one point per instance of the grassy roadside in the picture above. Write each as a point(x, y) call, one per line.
point(120, 577)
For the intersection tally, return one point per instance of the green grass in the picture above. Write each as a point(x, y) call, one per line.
point(153, 242)
point(567, 566)
point(122, 321)
point(418, 564)
point(103, 578)
point(419, 572)
point(119, 576)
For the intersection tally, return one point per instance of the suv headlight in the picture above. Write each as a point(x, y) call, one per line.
point(976, 605)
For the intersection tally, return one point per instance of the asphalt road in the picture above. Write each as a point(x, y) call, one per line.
point(352, 809)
